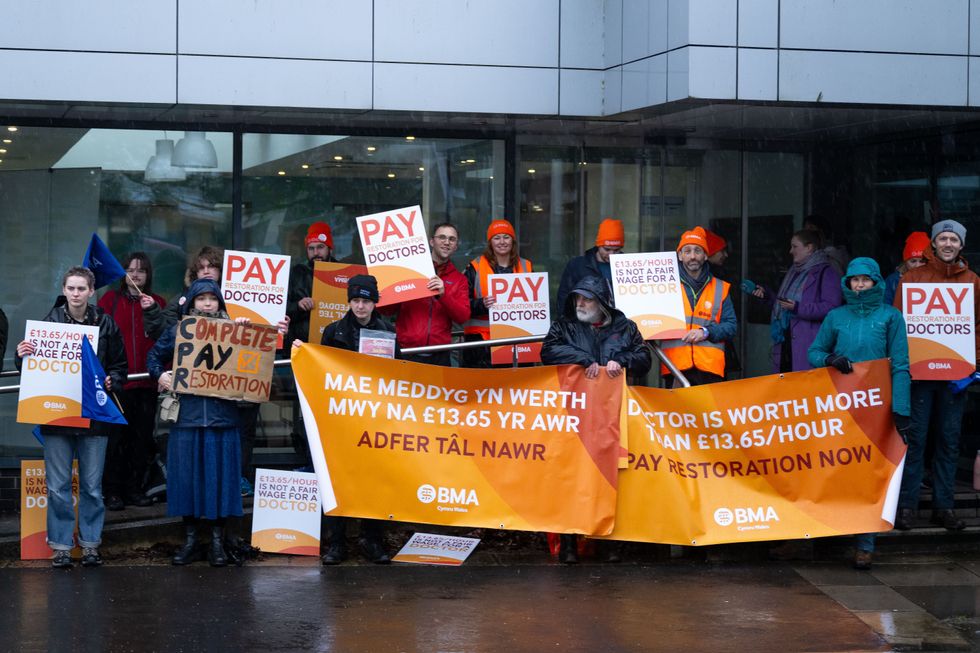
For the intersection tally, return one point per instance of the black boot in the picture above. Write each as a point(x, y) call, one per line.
point(216, 554)
point(568, 549)
point(190, 552)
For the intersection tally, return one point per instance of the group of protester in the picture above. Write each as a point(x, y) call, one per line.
point(819, 317)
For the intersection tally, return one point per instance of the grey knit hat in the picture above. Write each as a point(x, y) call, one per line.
point(952, 226)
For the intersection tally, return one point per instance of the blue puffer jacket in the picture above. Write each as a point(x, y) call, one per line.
point(864, 329)
point(195, 411)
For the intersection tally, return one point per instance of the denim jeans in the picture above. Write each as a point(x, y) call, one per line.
point(59, 450)
point(865, 542)
point(933, 402)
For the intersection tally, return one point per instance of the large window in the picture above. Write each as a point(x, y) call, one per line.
point(59, 186)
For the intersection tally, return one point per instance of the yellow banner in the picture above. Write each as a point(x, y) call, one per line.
point(793, 456)
point(522, 449)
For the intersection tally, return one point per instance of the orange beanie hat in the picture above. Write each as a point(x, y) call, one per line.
point(715, 243)
point(916, 245)
point(319, 232)
point(610, 233)
point(500, 227)
point(695, 236)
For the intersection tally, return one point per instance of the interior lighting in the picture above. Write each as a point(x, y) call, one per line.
point(409, 138)
point(281, 173)
point(531, 171)
point(11, 129)
point(371, 148)
point(160, 166)
point(7, 141)
point(391, 175)
point(471, 160)
point(338, 158)
point(305, 166)
point(195, 151)
point(421, 168)
point(2, 151)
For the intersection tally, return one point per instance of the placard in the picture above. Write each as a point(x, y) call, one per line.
point(941, 328)
point(522, 308)
point(376, 343)
point(255, 286)
point(219, 358)
point(330, 295)
point(433, 549)
point(34, 510)
point(286, 512)
point(396, 250)
point(647, 289)
point(51, 378)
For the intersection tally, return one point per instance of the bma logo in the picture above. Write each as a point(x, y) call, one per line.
point(55, 405)
point(447, 495)
point(940, 366)
point(740, 516)
point(404, 286)
point(101, 397)
point(285, 536)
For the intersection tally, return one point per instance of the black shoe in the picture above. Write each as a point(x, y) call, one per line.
point(334, 556)
point(610, 552)
point(91, 557)
point(114, 502)
point(374, 551)
point(903, 521)
point(862, 560)
point(216, 554)
point(947, 519)
point(191, 551)
point(62, 560)
point(138, 500)
point(567, 549)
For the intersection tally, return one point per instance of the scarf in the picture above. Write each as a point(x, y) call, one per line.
point(792, 289)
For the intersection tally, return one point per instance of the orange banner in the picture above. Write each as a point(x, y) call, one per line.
point(34, 510)
point(794, 456)
point(526, 449)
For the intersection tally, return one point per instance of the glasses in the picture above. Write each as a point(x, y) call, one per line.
point(446, 239)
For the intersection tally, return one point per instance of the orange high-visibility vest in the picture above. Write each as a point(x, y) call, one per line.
point(481, 324)
point(707, 356)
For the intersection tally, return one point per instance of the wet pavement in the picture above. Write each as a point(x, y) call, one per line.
point(671, 607)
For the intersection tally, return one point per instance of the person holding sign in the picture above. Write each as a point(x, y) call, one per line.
point(205, 264)
point(299, 300)
point(593, 334)
point(499, 257)
point(137, 311)
point(429, 320)
point(934, 401)
point(345, 333)
point(609, 240)
point(709, 314)
point(810, 289)
point(62, 444)
point(203, 452)
point(865, 329)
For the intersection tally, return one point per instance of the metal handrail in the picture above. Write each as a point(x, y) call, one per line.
point(472, 344)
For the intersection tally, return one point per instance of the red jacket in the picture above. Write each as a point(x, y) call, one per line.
point(429, 321)
point(129, 315)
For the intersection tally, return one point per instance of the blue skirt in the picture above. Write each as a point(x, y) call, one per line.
point(204, 472)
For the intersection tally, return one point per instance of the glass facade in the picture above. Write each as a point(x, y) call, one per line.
point(58, 185)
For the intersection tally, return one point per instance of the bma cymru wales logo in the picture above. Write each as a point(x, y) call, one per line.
point(447, 499)
point(746, 519)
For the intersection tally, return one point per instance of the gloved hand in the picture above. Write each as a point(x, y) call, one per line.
point(747, 286)
point(841, 363)
point(959, 386)
point(903, 425)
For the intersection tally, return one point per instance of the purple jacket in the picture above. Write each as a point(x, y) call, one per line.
point(821, 293)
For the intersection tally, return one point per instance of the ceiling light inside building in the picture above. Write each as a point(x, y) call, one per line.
point(391, 175)
point(471, 160)
point(2, 151)
point(160, 167)
point(371, 148)
point(421, 168)
point(195, 151)
point(7, 141)
point(11, 129)
point(531, 171)
point(338, 158)
point(305, 166)
point(281, 173)
point(409, 138)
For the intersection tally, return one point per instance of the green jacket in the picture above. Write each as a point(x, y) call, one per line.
point(864, 329)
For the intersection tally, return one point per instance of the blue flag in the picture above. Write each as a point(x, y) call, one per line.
point(102, 263)
point(96, 404)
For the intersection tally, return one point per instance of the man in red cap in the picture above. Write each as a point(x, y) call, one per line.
point(709, 314)
point(609, 240)
point(299, 300)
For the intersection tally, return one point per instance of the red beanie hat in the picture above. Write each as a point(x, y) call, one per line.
point(610, 233)
point(500, 227)
point(319, 232)
point(916, 245)
point(695, 236)
point(715, 243)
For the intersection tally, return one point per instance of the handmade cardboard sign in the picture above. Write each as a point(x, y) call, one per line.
point(220, 358)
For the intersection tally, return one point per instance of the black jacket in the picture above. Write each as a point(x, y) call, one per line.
point(572, 342)
point(577, 269)
point(345, 333)
point(300, 286)
point(4, 327)
point(111, 353)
